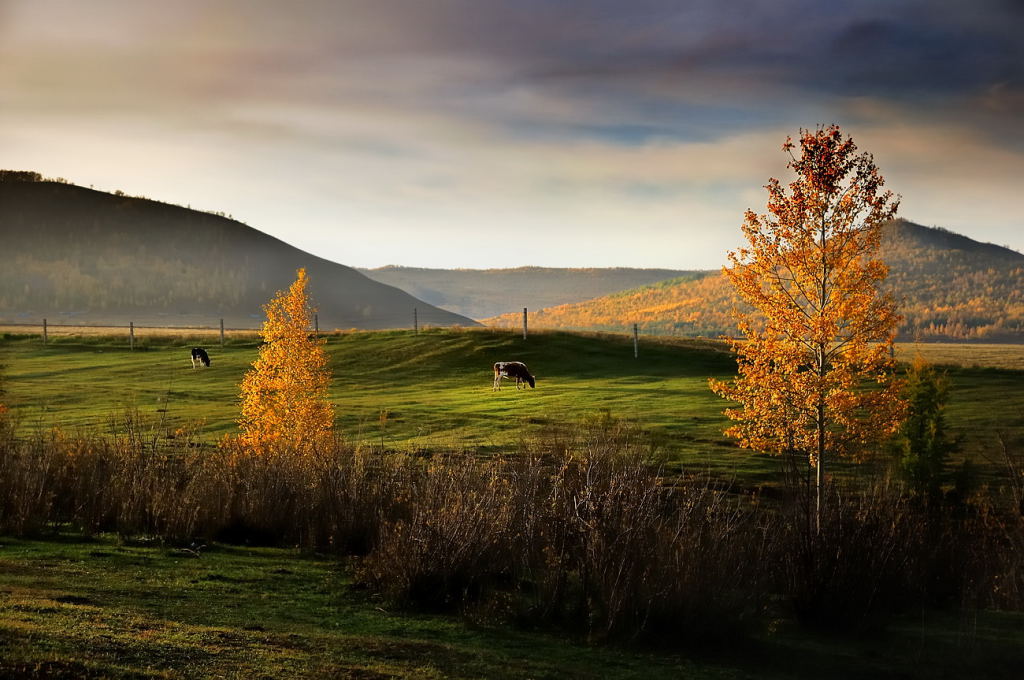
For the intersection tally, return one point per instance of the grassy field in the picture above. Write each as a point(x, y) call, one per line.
point(75, 607)
point(103, 607)
point(964, 355)
point(960, 354)
point(433, 390)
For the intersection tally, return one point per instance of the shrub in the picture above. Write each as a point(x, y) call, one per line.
point(922, 441)
point(582, 529)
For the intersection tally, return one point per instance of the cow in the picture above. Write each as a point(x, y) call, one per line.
point(199, 354)
point(510, 370)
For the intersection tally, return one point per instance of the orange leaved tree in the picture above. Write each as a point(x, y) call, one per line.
point(284, 394)
point(815, 368)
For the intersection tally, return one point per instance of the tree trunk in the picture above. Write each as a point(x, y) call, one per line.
point(820, 472)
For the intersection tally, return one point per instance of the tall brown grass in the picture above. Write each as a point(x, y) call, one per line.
point(581, 529)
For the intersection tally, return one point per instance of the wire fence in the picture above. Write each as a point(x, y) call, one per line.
point(46, 330)
point(218, 331)
point(130, 331)
point(414, 319)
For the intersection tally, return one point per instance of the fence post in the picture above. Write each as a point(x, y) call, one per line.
point(222, 333)
point(44, 331)
point(131, 335)
point(636, 351)
point(415, 321)
point(524, 323)
point(316, 325)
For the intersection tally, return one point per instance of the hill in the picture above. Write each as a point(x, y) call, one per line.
point(950, 286)
point(74, 255)
point(479, 293)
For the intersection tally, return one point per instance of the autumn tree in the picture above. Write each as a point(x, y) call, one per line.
point(284, 394)
point(815, 367)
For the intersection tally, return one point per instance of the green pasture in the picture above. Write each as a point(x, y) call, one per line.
point(73, 607)
point(433, 390)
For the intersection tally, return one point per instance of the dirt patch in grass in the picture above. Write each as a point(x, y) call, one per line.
point(74, 599)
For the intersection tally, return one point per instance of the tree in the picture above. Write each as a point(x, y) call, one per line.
point(923, 444)
point(284, 394)
point(820, 332)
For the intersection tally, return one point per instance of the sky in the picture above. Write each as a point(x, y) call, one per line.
point(472, 133)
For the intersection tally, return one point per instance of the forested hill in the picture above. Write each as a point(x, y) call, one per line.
point(75, 255)
point(480, 293)
point(950, 286)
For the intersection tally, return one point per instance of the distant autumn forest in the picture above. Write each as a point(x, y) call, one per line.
point(950, 288)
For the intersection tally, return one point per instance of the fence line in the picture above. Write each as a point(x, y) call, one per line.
point(46, 328)
point(49, 325)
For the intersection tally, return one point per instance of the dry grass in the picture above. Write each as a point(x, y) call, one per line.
point(963, 354)
point(579, 530)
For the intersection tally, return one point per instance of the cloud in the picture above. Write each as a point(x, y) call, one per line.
point(641, 129)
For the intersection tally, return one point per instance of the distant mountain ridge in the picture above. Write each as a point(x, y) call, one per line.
point(479, 293)
point(951, 287)
point(75, 255)
point(906, 233)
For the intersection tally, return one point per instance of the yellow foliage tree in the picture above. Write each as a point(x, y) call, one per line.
point(284, 394)
point(821, 332)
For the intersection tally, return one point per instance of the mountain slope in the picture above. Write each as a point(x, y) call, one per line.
point(76, 255)
point(950, 288)
point(480, 293)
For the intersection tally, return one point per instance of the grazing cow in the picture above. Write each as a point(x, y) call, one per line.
point(199, 354)
point(510, 370)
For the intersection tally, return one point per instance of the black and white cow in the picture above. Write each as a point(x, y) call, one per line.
point(510, 370)
point(199, 354)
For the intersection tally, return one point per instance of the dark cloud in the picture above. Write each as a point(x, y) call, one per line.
point(653, 68)
point(886, 57)
point(902, 49)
